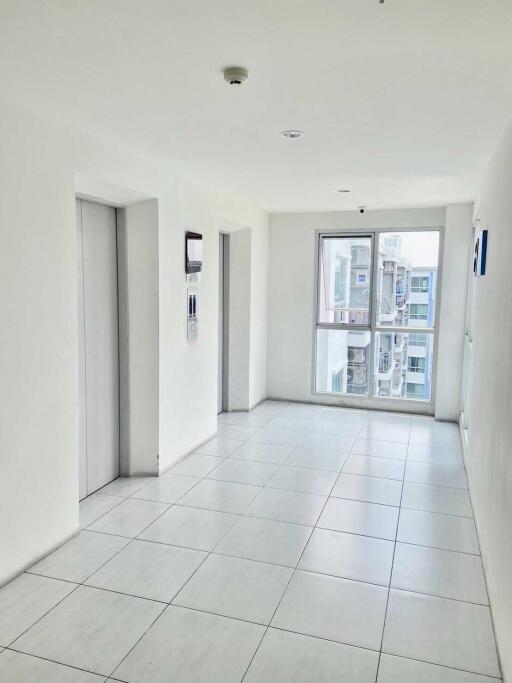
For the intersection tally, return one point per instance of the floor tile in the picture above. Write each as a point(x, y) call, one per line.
point(263, 452)
point(276, 406)
point(195, 465)
point(389, 417)
point(265, 540)
point(355, 517)
point(244, 472)
point(446, 632)
point(224, 418)
point(303, 479)
point(129, 518)
point(438, 475)
point(94, 506)
point(303, 410)
point(380, 449)
point(277, 437)
point(16, 667)
point(247, 419)
point(223, 496)
point(295, 424)
point(235, 587)
point(166, 489)
point(202, 649)
point(303, 440)
point(77, 559)
point(451, 457)
point(293, 658)
point(443, 573)
point(148, 570)
point(25, 600)
point(287, 506)
point(237, 432)
point(91, 629)
point(190, 528)
point(438, 531)
point(316, 459)
point(374, 467)
point(326, 442)
point(442, 499)
point(400, 670)
point(344, 429)
point(382, 432)
point(349, 556)
point(348, 612)
point(435, 436)
point(368, 489)
point(219, 446)
point(124, 486)
point(337, 416)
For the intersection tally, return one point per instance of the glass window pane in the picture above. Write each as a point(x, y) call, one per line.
point(407, 278)
point(403, 365)
point(342, 360)
point(344, 280)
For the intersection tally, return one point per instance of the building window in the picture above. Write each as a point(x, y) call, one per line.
point(371, 331)
point(415, 390)
point(418, 311)
point(417, 339)
point(420, 284)
point(415, 364)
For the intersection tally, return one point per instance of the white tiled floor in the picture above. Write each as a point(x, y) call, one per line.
point(301, 544)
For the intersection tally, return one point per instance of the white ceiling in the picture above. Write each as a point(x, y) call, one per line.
point(401, 102)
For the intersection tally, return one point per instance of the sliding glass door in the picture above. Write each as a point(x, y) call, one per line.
point(376, 314)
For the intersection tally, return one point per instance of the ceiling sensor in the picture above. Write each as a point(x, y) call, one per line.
point(362, 209)
point(235, 75)
point(292, 134)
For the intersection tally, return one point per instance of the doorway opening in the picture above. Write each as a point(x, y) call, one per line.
point(98, 313)
point(223, 349)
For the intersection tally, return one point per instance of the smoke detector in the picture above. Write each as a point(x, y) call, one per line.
point(235, 75)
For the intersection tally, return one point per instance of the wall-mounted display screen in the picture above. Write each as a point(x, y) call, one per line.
point(193, 252)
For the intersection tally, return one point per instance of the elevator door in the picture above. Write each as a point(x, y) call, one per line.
point(98, 347)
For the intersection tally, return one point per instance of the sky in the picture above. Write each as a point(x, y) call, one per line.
point(420, 248)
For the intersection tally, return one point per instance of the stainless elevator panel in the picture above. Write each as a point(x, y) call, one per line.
point(98, 347)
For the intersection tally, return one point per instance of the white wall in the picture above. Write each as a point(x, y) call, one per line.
point(452, 312)
point(239, 319)
point(292, 286)
point(39, 163)
point(139, 382)
point(489, 450)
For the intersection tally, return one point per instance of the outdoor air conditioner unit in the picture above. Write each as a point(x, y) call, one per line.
point(356, 375)
point(356, 355)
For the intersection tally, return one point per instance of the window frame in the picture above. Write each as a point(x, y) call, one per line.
point(371, 399)
point(318, 269)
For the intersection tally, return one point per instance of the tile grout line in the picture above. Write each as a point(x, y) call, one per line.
point(390, 577)
point(170, 603)
point(289, 581)
point(241, 516)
